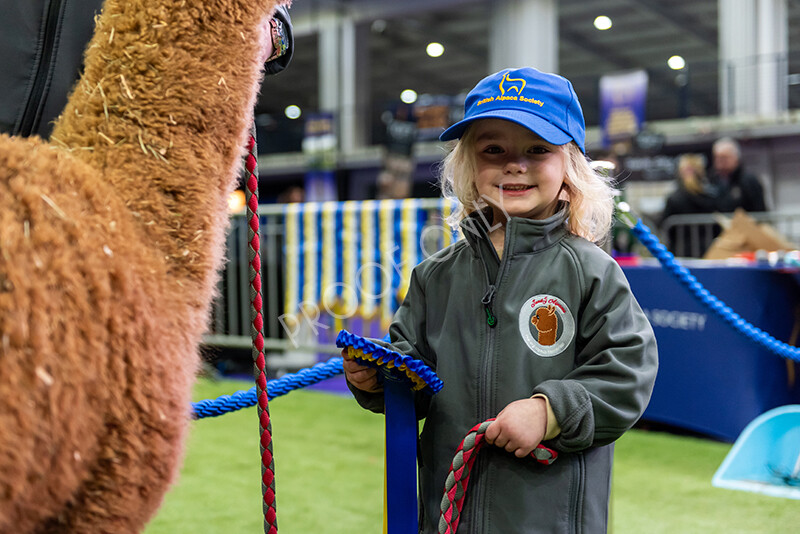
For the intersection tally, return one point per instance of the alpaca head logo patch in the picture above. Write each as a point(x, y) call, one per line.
point(517, 84)
point(546, 325)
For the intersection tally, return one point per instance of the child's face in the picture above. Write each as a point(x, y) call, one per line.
point(518, 173)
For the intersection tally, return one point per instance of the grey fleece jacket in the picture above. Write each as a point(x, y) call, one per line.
point(565, 325)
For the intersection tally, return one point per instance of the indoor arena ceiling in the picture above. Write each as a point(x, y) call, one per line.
point(645, 33)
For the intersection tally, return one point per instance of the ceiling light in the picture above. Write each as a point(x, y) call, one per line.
point(602, 22)
point(676, 62)
point(435, 49)
point(409, 96)
point(378, 26)
point(293, 112)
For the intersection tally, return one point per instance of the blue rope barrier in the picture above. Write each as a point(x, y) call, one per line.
point(275, 388)
point(670, 264)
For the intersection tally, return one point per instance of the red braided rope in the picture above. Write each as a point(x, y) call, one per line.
point(257, 333)
point(455, 486)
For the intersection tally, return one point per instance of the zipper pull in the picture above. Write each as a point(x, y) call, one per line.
point(491, 320)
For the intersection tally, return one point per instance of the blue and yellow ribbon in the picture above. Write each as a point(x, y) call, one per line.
point(350, 257)
point(311, 253)
point(387, 246)
point(449, 235)
point(291, 297)
point(410, 239)
point(328, 293)
point(368, 260)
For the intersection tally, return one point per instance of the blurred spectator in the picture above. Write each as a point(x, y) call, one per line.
point(727, 187)
point(693, 195)
point(732, 186)
point(291, 194)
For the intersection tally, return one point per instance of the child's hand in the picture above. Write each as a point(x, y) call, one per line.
point(519, 427)
point(362, 377)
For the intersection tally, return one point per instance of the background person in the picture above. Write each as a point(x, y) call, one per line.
point(731, 185)
point(694, 194)
point(727, 187)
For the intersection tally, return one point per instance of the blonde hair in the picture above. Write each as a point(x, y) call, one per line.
point(696, 163)
point(589, 193)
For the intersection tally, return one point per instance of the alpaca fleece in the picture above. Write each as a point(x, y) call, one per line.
point(111, 236)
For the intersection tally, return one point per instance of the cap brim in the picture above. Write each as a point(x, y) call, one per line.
point(534, 123)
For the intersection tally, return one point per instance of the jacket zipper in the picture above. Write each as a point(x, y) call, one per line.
point(483, 406)
point(487, 299)
point(577, 503)
point(34, 104)
point(483, 401)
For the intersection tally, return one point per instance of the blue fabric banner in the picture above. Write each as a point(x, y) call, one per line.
point(622, 105)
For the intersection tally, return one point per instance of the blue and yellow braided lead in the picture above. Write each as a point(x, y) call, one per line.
point(416, 373)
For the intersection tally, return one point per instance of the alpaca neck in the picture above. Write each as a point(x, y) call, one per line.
point(162, 112)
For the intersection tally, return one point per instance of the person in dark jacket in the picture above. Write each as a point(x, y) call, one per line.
point(43, 44)
point(526, 319)
point(733, 187)
point(727, 187)
point(694, 194)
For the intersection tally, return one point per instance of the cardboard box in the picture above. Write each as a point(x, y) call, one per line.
point(743, 234)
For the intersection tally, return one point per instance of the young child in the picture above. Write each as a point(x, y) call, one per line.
point(526, 319)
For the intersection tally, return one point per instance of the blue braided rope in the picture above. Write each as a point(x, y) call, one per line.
point(667, 260)
point(275, 388)
point(383, 357)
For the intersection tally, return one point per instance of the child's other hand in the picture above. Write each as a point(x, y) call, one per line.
point(519, 427)
point(362, 377)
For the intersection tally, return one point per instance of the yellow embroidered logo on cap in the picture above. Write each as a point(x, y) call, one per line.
point(507, 85)
point(517, 88)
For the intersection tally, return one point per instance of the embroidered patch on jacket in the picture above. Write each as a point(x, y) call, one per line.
point(546, 325)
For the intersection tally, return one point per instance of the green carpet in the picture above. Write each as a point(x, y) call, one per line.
point(329, 476)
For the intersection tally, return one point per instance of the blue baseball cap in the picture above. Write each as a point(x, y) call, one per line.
point(546, 104)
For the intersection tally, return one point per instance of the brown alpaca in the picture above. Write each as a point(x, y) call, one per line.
point(545, 321)
point(110, 239)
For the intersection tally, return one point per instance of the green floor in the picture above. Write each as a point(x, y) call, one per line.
point(329, 475)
